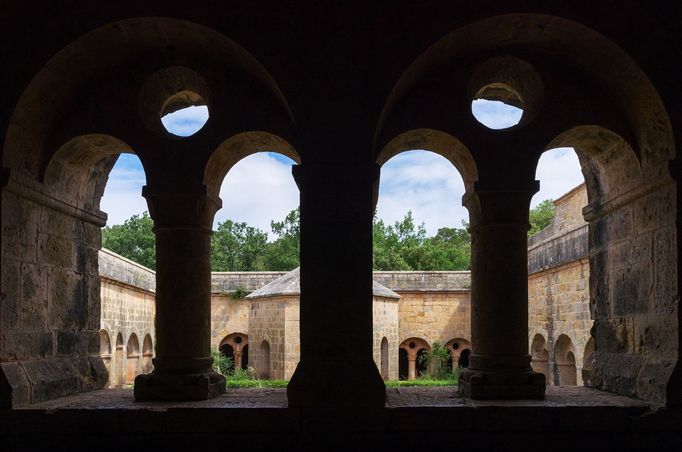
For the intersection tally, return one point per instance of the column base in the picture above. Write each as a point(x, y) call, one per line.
point(175, 387)
point(501, 377)
point(337, 384)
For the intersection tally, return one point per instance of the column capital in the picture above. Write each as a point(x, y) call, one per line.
point(502, 204)
point(172, 208)
point(333, 175)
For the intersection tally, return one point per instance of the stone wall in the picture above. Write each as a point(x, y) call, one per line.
point(558, 291)
point(127, 317)
point(50, 301)
point(268, 322)
point(438, 315)
point(227, 282)
point(228, 316)
point(385, 325)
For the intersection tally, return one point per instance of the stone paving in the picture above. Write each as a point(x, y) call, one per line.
point(395, 398)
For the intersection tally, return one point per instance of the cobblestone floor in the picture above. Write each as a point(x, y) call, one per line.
point(395, 398)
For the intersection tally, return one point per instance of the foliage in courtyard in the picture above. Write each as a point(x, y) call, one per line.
point(133, 239)
point(421, 382)
point(222, 364)
point(403, 245)
point(436, 362)
point(541, 216)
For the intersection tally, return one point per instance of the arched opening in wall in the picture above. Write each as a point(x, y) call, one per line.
point(235, 346)
point(416, 350)
point(565, 372)
point(403, 364)
point(417, 226)
point(540, 356)
point(463, 361)
point(257, 228)
point(147, 354)
point(460, 349)
point(118, 378)
point(132, 359)
point(184, 114)
point(264, 360)
point(497, 106)
point(245, 357)
point(105, 352)
point(384, 358)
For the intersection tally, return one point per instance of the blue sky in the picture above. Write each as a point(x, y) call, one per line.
point(260, 187)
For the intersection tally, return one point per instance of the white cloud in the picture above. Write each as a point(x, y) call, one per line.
point(123, 194)
point(558, 172)
point(258, 189)
point(495, 114)
point(187, 121)
point(425, 183)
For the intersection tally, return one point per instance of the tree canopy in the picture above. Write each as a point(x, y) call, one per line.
point(235, 246)
point(133, 239)
point(541, 216)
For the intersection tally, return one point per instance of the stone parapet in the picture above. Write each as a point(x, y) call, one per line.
point(118, 268)
point(427, 281)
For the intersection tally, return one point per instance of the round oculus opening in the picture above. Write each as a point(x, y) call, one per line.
point(455, 346)
point(412, 345)
point(238, 339)
point(184, 114)
point(497, 106)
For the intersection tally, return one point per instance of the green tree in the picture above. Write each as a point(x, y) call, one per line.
point(133, 239)
point(541, 216)
point(283, 253)
point(405, 246)
point(238, 247)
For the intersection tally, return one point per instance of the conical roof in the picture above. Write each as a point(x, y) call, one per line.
point(290, 284)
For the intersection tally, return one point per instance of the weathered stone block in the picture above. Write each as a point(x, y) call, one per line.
point(55, 250)
point(18, 345)
point(11, 294)
point(33, 312)
point(67, 308)
point(15, 389)
point(52, 378)
point(631, 289)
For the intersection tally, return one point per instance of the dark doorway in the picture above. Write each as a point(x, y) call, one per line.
point(402, 364)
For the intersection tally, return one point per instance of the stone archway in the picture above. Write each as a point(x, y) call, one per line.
point(235, 346)
point(147, 354)
point(118, 377)
point(540, 355)
point(132, 359)
point(415, 347)
point(565, 372)
point(105, 350)
point(384, 358)
point(457, 347)
point(264, 360)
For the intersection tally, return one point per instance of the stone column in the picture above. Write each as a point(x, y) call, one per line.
point(182, 366)
point(499, 366)
point(336, 367)
point(411, 367)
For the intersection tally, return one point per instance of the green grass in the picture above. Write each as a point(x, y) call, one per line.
point(252, 383)
point(419, 382)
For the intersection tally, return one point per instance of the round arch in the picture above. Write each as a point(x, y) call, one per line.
point(540, 355)
point(565, 372)
point(239, 146)
point(132, 359)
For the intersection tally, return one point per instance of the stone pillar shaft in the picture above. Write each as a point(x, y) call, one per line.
point(335, 315)
point(412, 368)
point(499, 366)
point(183, 363)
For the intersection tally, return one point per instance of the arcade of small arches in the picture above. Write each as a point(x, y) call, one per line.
point(577, 88)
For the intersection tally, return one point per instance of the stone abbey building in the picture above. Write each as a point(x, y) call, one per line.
point(262, 330)
point(342, 87)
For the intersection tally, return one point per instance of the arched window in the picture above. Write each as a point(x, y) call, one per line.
point(264, 360)
point(384, 358)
